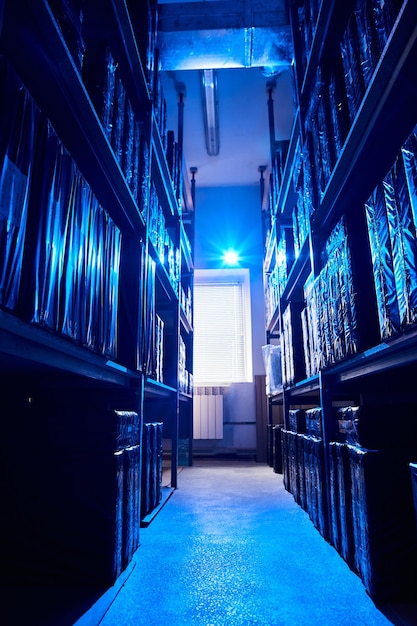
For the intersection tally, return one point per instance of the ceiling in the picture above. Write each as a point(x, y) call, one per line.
point(248, 43)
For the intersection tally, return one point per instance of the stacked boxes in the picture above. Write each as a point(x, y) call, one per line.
point(303, 464)
point(372, 519)
point(83, 465)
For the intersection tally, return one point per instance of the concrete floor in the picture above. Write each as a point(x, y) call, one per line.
point(231, 548)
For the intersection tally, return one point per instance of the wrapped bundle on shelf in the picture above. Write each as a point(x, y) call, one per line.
point(293, 465)
point(144, 17)
point(373, 426)
point(88, 246)
point(119, 114)
point(127, 429)
point(313, 421)
point(315, 497)
point(99, 76)
point(385, 14)
point(131, 502)
point(306, 34)
point(318, 132)
point(367, 38)
point(159, 348)
point(69, 15)
point(382, 263)
point(288, 372)
point(285, 459)
point(339, 114)
point(303, 207)
point(352, 70)
point(148, 320)
point(297, 420)
point(52, 203)
point(307, 15)
point(340, 501)
point(311, 328)
point(409, 156)
point(333, 298)
point(273, 368)
point(20, 132)
point(72, 458)
point(402, 230)
point(145, 498)
point(301, 471)
point(281, 266)
point(151, 467)
point(156, 463)
point(383, 523)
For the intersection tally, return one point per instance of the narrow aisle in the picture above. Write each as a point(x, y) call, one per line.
point(231, 548)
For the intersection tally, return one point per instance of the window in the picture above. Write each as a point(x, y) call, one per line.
point(222, 330)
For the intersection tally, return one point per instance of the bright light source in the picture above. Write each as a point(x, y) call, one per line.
point(231, 257)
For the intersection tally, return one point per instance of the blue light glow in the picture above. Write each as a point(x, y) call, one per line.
point(231, 257)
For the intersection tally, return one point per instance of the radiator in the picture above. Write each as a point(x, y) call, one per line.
point(208, 412)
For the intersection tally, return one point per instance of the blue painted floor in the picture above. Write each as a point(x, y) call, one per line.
point(232, 548)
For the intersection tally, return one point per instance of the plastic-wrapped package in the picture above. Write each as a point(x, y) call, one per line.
point(385, 14)
point(409, 156)
point(52, 204)
point(129, 145)
point(69, 15)
point(296, 420)
point(293, 477)
point(306, 36)
point(367, 38)
point(403, 242)
point(99, 76)
point(382, 263)
point(110, 302)
point(310, 328)
point(313, 421)
point(352, 67)
point(339, 114)
point(285, 459)
point(131, 502)
point(288, 368)
point(323, 130)
point(118, 125)
point(273, 368)
point(19, 134)
point(383, 523)
point(314, 482)
point(302, 496)
point(74, 262)
point(374, 426)
point(340, 501)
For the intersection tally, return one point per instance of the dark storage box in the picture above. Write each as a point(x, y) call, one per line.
point(383, 524)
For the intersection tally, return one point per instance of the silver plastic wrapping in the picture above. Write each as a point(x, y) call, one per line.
point(311, 329)
point(367, 38)
point(382, 263)
point(19, 127)
point(409, 156)
point(329, 320)
point(288, 371)
point(49, 258)
point(403, 242)
point(385, 14)
point(352, 67)
point(339, 114)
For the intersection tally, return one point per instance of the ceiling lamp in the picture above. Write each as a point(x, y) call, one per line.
point(210, 111)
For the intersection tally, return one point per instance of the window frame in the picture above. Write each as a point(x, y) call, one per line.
point(229, 276)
